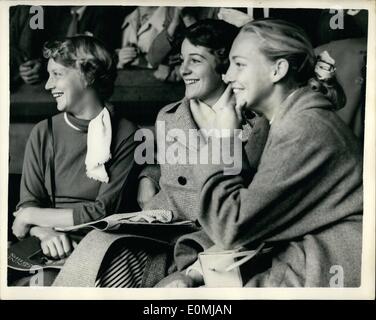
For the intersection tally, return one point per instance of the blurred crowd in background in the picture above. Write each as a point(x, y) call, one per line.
point(150, 37)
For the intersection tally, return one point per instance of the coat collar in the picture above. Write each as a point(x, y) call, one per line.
point(181, 119)
point(256, 137)
point(302, 99)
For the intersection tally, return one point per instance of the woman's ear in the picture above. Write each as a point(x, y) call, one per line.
point(280, 69)
point(84, 81)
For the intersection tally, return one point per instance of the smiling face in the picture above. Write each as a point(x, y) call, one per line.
point(66, 85)
point(250, 73)
point(201, 79)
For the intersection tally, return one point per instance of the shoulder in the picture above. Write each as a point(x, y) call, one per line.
point(169, 109)
point(306, 124)
point(307, 114)
point(39, 133)
point(41, 128)
point(315, 128)
point(124, 129)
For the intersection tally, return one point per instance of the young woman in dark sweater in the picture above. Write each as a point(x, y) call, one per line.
point(92, 149)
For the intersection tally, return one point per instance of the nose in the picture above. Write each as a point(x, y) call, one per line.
point(49, 84)
point(184, 68)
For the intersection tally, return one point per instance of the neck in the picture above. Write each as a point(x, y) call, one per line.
point(91, 107)
point(213, 98)
point(271, 104)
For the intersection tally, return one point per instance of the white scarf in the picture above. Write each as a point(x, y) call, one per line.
point(98, 152)
point(203, 114)
point(98, 146)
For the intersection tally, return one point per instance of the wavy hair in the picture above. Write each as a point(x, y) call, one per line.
point(88, 55)
point(215, 35)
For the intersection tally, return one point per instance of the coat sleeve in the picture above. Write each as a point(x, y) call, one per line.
point(159, 49)
point(110, 194)
point(152, 171)
point(161, 45)
point(235, 213)
point(189, 246)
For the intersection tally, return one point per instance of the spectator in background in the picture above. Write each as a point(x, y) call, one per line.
point(99, 21)
point(25, 47)
point(348, 46)
point(164, 52)
point(138, 32)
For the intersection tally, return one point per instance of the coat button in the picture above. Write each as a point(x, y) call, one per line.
point(182, 180)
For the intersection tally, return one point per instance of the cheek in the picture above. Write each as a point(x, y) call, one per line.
point(76, 86)
point(245, 79)
point(254, 78)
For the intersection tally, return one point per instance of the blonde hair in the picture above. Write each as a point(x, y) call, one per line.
point(281, 39)
point(88, 55)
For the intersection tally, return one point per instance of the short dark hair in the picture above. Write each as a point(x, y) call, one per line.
point(89, 56)
point(217, 36)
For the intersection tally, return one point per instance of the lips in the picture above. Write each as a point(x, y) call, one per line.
point(236, 89)
point(57, 95)
point(191, 81)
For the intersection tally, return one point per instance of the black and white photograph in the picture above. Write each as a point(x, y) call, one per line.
point(228, 148)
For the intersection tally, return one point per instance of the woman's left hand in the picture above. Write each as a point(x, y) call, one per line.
point(21, 224)
point(54, 244)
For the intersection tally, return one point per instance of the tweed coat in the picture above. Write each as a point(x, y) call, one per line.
point(178, 187)
point(306, 199)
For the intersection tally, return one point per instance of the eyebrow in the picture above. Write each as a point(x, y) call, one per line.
point(197, 54)
point(54, 70)
point(234, 57)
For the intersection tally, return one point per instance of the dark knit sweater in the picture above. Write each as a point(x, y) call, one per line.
point(90, 199)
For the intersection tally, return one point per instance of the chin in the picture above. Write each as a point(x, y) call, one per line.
point(60, 108)
point(193, 94)
point(189, 95)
